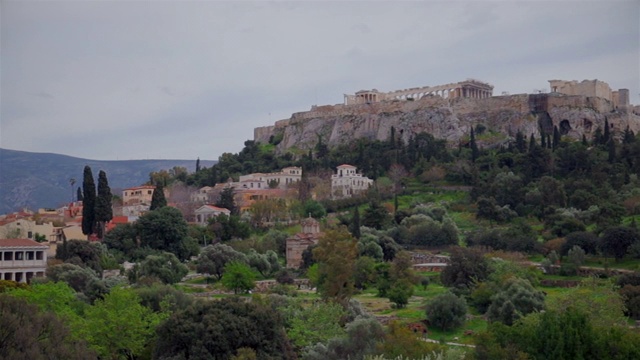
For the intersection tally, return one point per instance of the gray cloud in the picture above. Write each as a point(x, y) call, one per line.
point(192, 79)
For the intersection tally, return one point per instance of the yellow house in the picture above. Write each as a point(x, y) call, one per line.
point(138, 195)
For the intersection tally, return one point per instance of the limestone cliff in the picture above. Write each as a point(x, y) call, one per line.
point(450, 119)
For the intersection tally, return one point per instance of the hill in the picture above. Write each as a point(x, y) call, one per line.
point(500, 117)
point(36, 180)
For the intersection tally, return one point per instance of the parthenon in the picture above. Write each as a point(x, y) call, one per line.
point(469, 88)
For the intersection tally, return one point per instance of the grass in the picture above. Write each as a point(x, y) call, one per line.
point(476, 324)
point(190, 289)
point(600, 262)
point(561, 277)
point(199, 281)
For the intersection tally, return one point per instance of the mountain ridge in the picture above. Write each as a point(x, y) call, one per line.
point(35, 180)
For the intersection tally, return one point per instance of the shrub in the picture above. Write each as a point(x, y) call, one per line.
point(447, 311)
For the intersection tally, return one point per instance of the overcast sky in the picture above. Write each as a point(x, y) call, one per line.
point(179, 80)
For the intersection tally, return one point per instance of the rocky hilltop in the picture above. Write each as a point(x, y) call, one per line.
point(451, 119)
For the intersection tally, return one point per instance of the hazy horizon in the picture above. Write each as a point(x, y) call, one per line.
point(109, 80)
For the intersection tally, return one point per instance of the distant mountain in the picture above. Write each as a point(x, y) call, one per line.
point(38, 180)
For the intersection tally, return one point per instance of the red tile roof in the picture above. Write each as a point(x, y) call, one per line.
point(216, 208)
point(141, 187)
point(117, 220)
point(19, 242)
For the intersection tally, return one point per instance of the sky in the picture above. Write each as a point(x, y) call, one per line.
point(120, 80)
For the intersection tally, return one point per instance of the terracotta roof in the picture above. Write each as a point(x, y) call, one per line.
point(141, 187)
point(120, 219)
point(345, 165)
point(19, 242)
point(215, 208)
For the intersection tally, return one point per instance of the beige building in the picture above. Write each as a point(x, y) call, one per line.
point(299, 242)
point(202, 195)
point(22, 259)
point(283, 179)
point(138, 195)
point(347, 182)
point(592, 88)
point(26, 228)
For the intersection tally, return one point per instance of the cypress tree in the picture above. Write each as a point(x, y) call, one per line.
point(104, 211)
point(198, 165)
point(607, 134)
point(474, 147)
point(79, 194)
point(612, 151)
point(88, 202)
point(521, 143)
point(597, 137)
point(543, 138)
point(584, 140)
point(354, 227)
point(629, 137)
point(532, 143)
point(556, 138)
point(392, 138)
point(157, 199)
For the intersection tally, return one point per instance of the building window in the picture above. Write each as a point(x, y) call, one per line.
point(19, 255)
point(30, 255)
point(8, 256)
point(148, 192)
point(39, 255)
point(30, 234)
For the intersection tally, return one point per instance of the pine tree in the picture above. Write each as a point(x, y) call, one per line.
point(88, 202)
point(104, 211)
point(227, 201)
point(79, 194)
point(157, 199)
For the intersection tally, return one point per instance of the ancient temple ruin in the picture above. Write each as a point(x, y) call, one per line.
point(469, 88)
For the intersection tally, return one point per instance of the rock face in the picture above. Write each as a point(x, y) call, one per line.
point(450, 119)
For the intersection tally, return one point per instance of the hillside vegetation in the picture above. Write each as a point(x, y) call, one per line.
point(541, 238)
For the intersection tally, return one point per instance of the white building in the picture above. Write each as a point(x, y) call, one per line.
point(347, 182)
point(283, 179)
point(206, 212)
point(22, 259)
